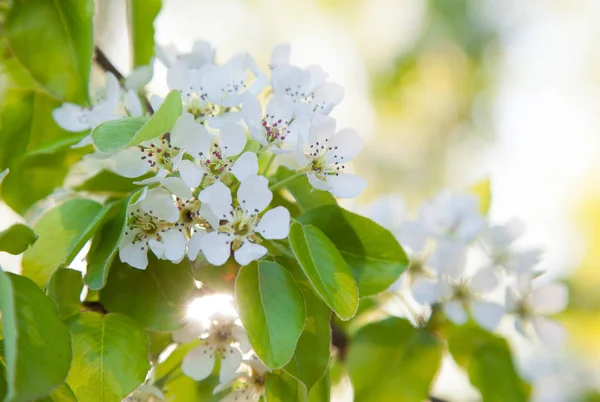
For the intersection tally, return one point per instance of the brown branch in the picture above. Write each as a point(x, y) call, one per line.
point(103, 61)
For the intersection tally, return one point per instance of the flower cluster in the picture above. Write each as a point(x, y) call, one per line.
point(203, 191)
point(461, 264)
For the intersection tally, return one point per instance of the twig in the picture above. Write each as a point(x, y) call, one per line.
point(104, 62)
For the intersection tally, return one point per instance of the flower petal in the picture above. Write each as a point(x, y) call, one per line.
point(241, 337)
point(274, 224)
point(194, 245)
point(252, 111)
point(487, 314)
point(216, 248)
point(449, 258)
point(322, 128)
point(425, 290)
point(455, 312)
point(280, 107)
point(246, 165)
point(159, 202)
point(232, 139)
point(70, 117)
point(199, 362)
point(132, 103)
point(327, 97)
point(139, 77)
point(178, 187)
point(128, 163)
point(280, 55)
point(317, 183)
point(174, 242)
point(179, 77)
point(190, 136)
point(346, 185)
point(552, 334)
point(249, 252)
point(218, 197)
point(484, 281)
point(230, 362)
point(133, 255)
point(254, 194)
point(192, 330)
point(190, 173)
point(346, 145)
point(550, 299)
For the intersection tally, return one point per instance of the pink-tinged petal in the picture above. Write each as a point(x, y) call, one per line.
point(199, 362)
point(274, 224)
point(346, 185)
point(249, 252)
point(254, 194)
point(216, 248)
point(245, 166)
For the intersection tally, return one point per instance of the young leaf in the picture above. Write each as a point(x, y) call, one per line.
point(62, 232)
point(114, 135)
point(326, 269)
point(392, 361)
point(282, 387)
point(37, 346)
point(60, 394)
point(306, 197)
point(62, 32)
point(105, 246)
point(65, 288)
point(157, 297)
point(373, 253)
point(321, 392)
point(488, 361)
point(272, 310)
point(16, 239)
point(141, 29)
point(110, 182)
point(109, 357)
point(162, 121)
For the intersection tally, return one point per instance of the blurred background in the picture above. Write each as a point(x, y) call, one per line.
point(446, 93)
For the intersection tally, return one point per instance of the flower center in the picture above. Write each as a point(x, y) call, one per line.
point(241, 226)
point(145, 225)
point(277, 131)
point(323, 161)
point(159, 154)
point(216, 163)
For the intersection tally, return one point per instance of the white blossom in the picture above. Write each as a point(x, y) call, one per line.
point(150, 225)
point(76, 118)
point(531, 306)
point(324, 155)
point(201, 54)
point(246, 386)
point(223, 340)
point(240, 229)
point(311, 93)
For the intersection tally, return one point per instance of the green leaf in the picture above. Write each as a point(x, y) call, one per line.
point(488, 361)
point(107, 181)
point(373, 253)
point(114, 135)
point(282, 387)
point(392, 361)
point(60, 394)
point(272, 310)
point(306, 197)
point(141, 29)
point(105, 245)
point(16, 239)
point(157, 297)
point(62, 32)
point(62, 232)
point(483, 191)
point(65, 288)
point(325, 268)
point(109, 357)
point(162, 121)
point(321, 392)
point(37, 344)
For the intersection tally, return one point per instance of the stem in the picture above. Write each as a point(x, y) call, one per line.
point(269, 163)
point(103, 61)
point(282, 182)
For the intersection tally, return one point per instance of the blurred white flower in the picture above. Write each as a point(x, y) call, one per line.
point(201, 54)
point(323, 157)
point(248, 386)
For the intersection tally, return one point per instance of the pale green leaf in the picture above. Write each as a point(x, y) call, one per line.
point(65, 288)
point(16, 239)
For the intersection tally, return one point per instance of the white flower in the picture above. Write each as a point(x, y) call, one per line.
point(239, 228)
point(210, 92)
point(307, 87)
point(202, 53)
point(324, 155)
point(75, 118)
point(150, 224)
point(248, 387)
point(531, 308)
point(224, 340)
point(139, 77)
point(275, 128)
point(214, 154)
point(459, 294)
point(499, 241)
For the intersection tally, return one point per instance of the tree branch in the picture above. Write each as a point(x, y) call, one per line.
point(104, 62)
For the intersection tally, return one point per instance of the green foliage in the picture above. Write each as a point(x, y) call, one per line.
point(326, 269)
point(161, 121)
point(305, 196)
point(156, 297)
point(101, 371)
point(141, 29)
point(272, 310)
point(281, 387)
point(37, 347)
point(373, 253)
point(488, 361)
point(16, 239)
point(114, 135)
point(62, 232)
point(393, 361)
point(62, 32)
point(65, 288)
point(109, 182)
